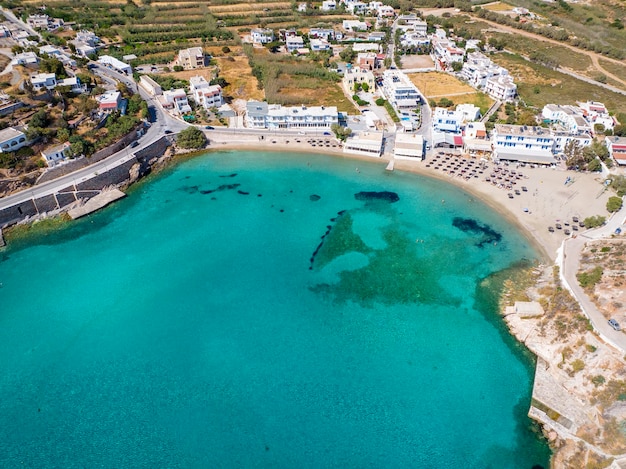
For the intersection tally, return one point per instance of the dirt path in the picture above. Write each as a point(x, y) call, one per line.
point(594, 56)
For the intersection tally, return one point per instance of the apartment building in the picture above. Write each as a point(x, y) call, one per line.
point(191, 58)
point(204, 94)
point(523, 143)
point(261, 115)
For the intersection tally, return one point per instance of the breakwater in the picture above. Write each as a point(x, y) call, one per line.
point(138, 165)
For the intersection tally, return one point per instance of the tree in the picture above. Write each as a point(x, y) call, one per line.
point(348, 54)
point(39, 119)
point(225, 49)
point(191, 138)
point(341, 132)
point(614, 204)
point(618, 184)
point(457, 66)
point(365, 87)
point(595, 221)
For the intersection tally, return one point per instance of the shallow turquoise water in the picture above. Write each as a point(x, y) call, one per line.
point(221, 316)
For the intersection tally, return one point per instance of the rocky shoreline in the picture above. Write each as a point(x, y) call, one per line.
point(578, 378)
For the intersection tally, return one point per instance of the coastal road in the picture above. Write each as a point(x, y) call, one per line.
point(572, 248)
point(162, 123)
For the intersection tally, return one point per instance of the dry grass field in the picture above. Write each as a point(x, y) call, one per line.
point(498, 6)
point(439, 84)
point(236, 71)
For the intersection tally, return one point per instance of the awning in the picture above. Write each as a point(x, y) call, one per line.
point(526, 158)
point(458, 140)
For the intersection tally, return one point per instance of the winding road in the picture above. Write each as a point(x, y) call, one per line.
point(570, 265)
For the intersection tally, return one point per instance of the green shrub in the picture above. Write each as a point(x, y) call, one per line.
point(191, 138)
point(590, 279)
point(614, 204)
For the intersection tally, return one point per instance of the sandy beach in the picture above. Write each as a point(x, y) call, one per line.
point(541, 198)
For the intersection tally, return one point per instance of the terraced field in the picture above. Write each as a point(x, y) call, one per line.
point(156, 29)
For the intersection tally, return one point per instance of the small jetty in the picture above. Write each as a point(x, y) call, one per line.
point(96, 203)
point(390, 165)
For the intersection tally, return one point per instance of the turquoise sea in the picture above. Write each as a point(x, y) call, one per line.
point(267, 310)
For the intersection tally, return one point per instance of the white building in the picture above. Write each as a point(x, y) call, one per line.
point(596, 113)
point(365, 143)
point(11, 139)
point(570, 118)
point(261, 115)
point(44, 22)
point(354, 25)
point(399, 90)
point(328, 5)
point(293, 43)
point(523, 143)
point(25, 58)
point(469, 112)
point(561, 139)
point(501, 88)
point(447, 120)
point(205, 95)
point(412, 22)
point(617, 149)
point(43, 80)
point(408, 146)
point(444, 51)
point(385, 11)
point(73, 83)
point(319, 45)
point(116, 64)
point(56, 154)
point(356, 8)
point(322, 33)
point(175, 100)
point(150, 85)
point(87, 37)
point(366, 47)
point(475, 141)
point(478, 68)
point(49, 81)
point(262, 35)
point(413, 39)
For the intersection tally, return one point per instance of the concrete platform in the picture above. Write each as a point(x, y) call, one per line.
point(96, 203)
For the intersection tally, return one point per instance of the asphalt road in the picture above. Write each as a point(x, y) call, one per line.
point(572, 248)
point(162, 123)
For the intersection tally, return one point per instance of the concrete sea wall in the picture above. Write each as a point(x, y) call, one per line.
point(85, 190)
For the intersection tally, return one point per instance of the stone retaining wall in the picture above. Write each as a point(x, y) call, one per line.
point(91, 187)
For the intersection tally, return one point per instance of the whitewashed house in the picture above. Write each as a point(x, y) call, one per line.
point(43, 80)
point(293, 43)
point(319, 45)
point(262, 35)
point(176, 101)
point(55, 154)
point(204, 94)
point(11, 139)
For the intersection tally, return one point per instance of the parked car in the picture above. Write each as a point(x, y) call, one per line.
point(134, 144)
point(168, 131)
point(208, 127)
point(327, 133)
point(614, 324)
